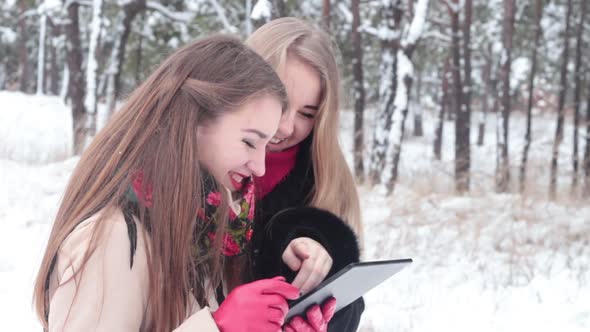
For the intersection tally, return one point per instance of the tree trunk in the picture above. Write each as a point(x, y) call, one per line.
point(358, 93)
point(92, 62)
point(53, 66)
point(404, 74)
point(126, 17)
point(41, 53)
point(577, 93)
point(418, 130)
point(326, 14)
point(462, 158)
point(139, 54)
point(485, 101)
point(502, 167)
point(404, 69)
point(586, 192)
point(387, 89)
point(280, 9)
point(76, 79)
point(247, 18)
point(529, 116)
point(23, 53)
point(438, 138)
point(561, 104)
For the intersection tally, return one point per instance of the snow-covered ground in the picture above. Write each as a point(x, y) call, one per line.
point(483, 261)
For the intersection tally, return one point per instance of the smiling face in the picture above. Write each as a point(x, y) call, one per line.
point(232, 147)
point(304, 90)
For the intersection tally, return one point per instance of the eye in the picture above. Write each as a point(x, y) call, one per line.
point(249, 144)
point(307, 115)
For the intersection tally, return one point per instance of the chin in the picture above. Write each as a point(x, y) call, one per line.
point(278, 147)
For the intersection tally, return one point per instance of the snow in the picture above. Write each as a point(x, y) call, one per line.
point(345, 11)
point(417, 25)
point(262, 9)
point(482, 261)
point(184, 17)
point(7, 35)
point(34, 129)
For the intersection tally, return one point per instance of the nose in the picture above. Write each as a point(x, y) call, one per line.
point(258, 164)
point(287, 124)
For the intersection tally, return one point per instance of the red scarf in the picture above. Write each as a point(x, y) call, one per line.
point(278, 166)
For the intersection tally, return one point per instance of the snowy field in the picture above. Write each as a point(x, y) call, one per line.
point(483, 261)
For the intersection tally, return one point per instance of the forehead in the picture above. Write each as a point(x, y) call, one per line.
point(261, 112)
point(301, 80)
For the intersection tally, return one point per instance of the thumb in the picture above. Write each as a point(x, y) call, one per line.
point(282, 288)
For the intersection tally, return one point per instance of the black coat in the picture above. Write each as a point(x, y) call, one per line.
point(271, 236)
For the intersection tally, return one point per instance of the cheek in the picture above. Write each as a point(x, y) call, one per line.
point(304, 127)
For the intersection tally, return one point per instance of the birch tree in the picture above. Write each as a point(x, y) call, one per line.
point(389, 35)
point(404, 75)
point(560, 104)
point(531, 89)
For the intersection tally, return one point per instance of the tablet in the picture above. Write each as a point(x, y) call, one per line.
point(348, 284)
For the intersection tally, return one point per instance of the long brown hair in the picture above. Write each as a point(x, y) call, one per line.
point(156, 132)
point(311, 45)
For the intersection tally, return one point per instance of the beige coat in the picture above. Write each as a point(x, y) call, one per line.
point(111, 296)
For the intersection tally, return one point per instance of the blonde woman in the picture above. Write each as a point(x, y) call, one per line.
point(140, 238)
point(305, 168)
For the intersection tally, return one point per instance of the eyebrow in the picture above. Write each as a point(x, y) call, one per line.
point(315, 108)
point(259, 133)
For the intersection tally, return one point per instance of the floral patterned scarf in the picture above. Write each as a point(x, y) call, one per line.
point(236, 238)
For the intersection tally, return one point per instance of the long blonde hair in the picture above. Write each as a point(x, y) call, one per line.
point(156, 132)
point(334, 188)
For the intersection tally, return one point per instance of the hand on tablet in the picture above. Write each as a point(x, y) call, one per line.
point(258, 306)
point(317, 318)
point(311, 260)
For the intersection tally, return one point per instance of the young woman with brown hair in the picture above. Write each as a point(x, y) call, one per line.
point(306, 171)
point(139, 239)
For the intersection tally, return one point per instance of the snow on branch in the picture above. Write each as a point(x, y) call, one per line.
point(87, 3)
point(417, 25)
point(262, 9)
point(221, 13)
point(455, 7)
point(436, 34)
point(175, 16)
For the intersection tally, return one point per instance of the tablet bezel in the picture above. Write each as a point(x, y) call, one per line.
point(299, 306)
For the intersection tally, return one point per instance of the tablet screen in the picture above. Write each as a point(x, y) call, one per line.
point(348, 284)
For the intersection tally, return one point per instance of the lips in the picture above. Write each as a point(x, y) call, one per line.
point(237, 180)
